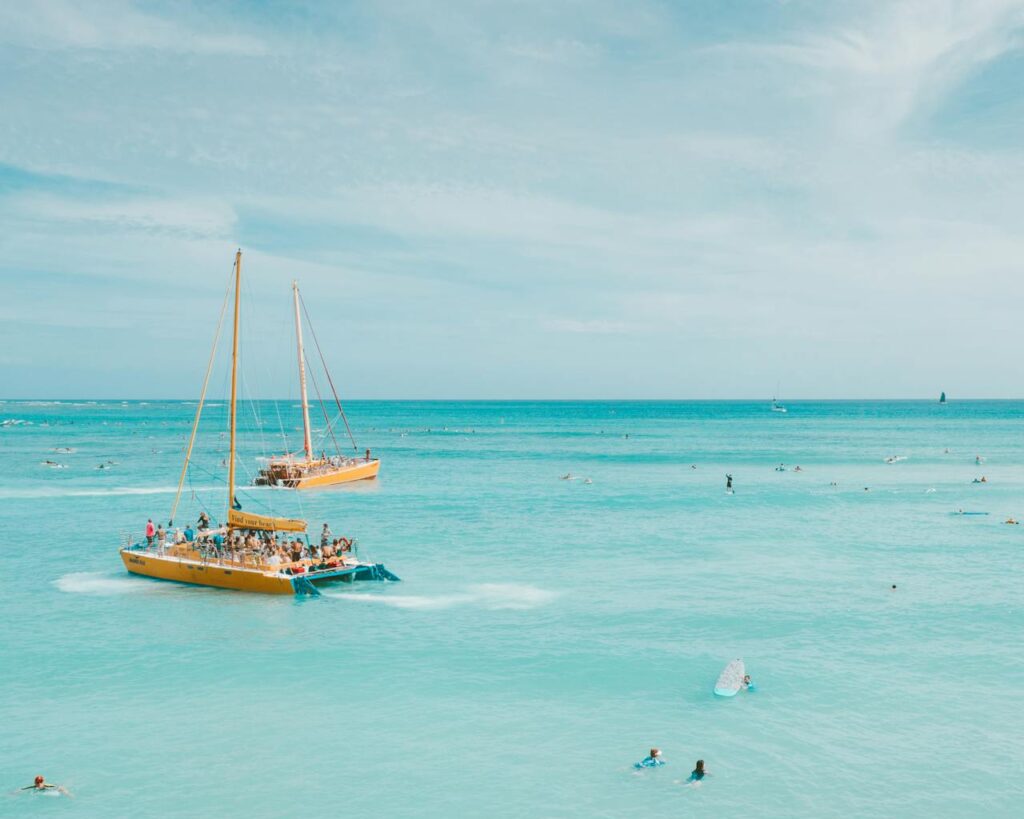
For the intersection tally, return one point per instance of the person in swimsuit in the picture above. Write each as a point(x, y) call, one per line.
point(40, 784)
point(698, 772)
point(728, 481)
point(653, 760)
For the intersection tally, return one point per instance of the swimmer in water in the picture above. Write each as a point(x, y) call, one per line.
point(699, 772)
point(746, 681)
point(653, 760)
point(567, 476)
point(728, 481)
point(1012, 522)
point(40, 784)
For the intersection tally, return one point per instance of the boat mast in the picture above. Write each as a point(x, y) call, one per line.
point(234, 384)
point(307, 442)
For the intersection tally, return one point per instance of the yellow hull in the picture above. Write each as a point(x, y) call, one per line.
point(315, 474)
point(345, 474)
point(184, 570)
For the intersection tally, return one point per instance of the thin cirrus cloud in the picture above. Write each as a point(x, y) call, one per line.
point(497, 199)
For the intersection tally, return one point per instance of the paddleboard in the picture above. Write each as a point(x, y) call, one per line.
point(731, 679)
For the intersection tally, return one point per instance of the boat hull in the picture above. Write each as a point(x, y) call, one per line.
point(197, 573)
point(358, 472)
point(237, 578)
point(317, 474)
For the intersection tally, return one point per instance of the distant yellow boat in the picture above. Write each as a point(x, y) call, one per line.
point(247, 553)
point(305, 470)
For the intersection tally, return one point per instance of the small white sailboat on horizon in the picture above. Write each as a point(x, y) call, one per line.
point(777, 407)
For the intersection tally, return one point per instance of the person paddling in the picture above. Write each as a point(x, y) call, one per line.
point(40, 784)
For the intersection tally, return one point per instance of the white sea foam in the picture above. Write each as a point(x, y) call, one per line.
point(13, 493)
point(103, 584)
point(492, 596)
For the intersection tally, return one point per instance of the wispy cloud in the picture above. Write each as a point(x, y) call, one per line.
point(112, 26)
point(568, 188)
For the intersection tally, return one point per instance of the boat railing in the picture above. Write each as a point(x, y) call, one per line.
point(208, 555)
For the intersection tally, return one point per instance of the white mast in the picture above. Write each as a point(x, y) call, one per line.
point(307, 442)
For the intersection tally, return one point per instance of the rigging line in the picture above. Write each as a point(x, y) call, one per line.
point(202, 399)
point(323, 408)
point(330, 381)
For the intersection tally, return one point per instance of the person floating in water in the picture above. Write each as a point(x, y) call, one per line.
point(652, 760)
point(748, 684)
point(728, 481)
point(699, 771)
point(40, 784)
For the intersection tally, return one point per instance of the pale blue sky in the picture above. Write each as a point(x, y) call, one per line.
point(581, 199)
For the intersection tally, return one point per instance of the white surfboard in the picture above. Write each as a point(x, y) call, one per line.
point(731, 679)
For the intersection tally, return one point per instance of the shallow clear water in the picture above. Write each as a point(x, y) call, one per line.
point(546, 632)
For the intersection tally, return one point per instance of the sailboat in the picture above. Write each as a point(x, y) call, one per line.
point(942, 398)
point(305, 470)
point(246, 553)
point(777, 407)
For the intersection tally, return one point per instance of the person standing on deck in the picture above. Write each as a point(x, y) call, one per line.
point(150, 532)
point(325, 536)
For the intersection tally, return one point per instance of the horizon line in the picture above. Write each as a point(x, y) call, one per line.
point(529, 400)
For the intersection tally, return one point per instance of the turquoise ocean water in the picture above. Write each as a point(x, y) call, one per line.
point(546, 632)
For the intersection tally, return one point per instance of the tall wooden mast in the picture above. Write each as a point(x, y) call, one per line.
point(234, 384)
point(307, 441)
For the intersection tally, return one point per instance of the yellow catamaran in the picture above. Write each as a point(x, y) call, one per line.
point(248, 552)
point(306, 470)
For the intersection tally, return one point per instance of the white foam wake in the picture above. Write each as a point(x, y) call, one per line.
point(103, 584)
point(494, 596)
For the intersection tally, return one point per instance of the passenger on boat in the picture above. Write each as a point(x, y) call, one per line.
point(189, 533)
point(150, 532)
point(274, 559)
point(296, 551)
point(161, 536)
point(367, 455)
point(325, 536)
point(204, 521)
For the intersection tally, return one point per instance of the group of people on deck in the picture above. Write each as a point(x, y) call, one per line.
point(256, 547)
